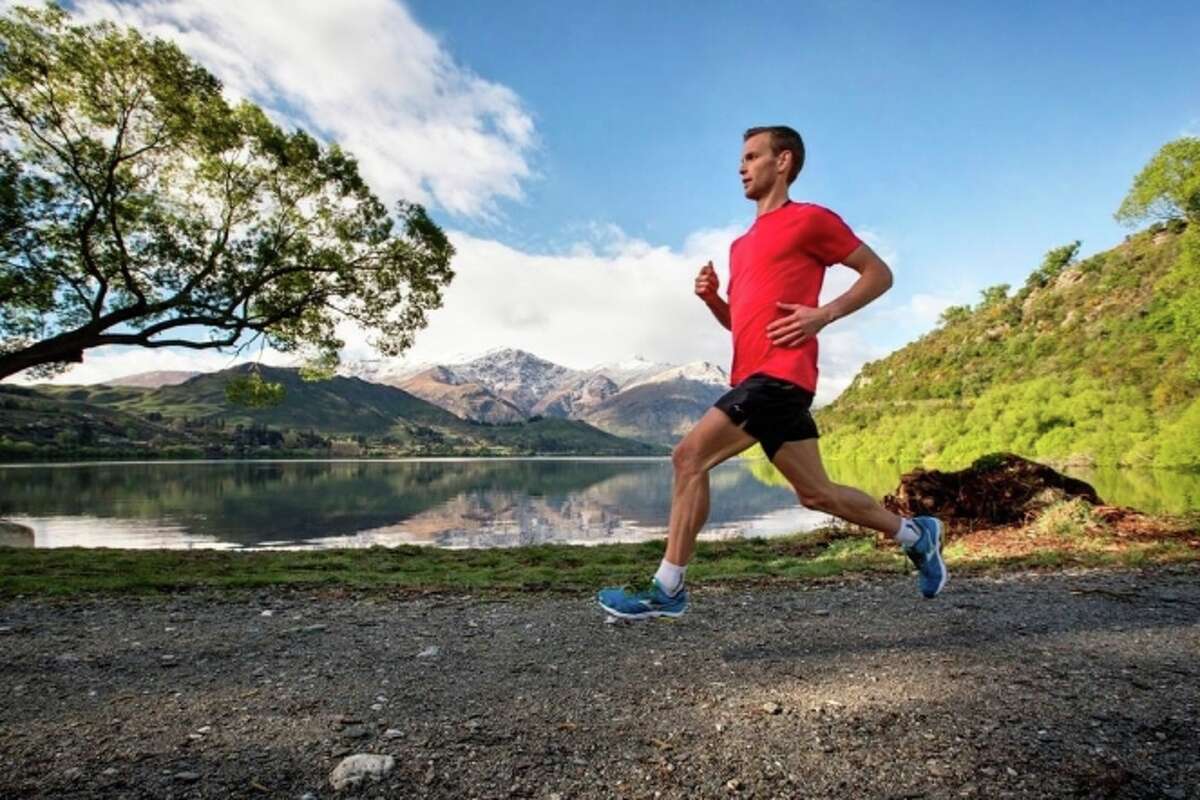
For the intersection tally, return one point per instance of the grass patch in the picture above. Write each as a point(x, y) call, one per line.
point(1074, 518)
point(1063, 539)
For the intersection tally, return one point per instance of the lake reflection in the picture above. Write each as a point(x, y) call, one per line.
point(447, 503)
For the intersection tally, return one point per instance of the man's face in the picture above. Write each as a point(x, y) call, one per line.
point(760, 167)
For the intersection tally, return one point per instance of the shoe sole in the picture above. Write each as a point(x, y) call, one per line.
point(937, 552)
point(643, 615)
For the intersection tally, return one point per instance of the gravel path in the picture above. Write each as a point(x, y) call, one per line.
point(1080, 684)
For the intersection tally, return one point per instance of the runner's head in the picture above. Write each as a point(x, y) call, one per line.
point(770, 155)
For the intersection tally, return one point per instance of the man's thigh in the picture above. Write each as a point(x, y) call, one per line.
point(800, 463)
point(712, 440)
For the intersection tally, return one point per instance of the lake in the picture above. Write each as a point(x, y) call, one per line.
point(438, 502)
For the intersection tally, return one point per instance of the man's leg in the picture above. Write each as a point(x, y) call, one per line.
point(800, 463)
point(714, 439)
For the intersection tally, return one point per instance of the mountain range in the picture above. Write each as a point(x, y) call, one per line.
point(344, 415)
point(636, 399)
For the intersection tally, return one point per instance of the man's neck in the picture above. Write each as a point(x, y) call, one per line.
point(772, 200)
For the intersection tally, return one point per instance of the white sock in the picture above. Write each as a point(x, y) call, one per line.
point(908, 533)
point(670, 577)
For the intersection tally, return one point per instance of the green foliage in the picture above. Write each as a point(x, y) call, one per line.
point(138, 205)
point(1168, 186)
point(251, 391)
point(994, 295)
point(954, 314)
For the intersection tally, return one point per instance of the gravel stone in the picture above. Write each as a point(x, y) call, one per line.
point(1031, 685)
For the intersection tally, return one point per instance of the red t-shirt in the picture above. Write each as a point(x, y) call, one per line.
point(782, 258)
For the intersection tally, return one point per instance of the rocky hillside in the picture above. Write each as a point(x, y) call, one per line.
point(462, 397)
point(1090, 362)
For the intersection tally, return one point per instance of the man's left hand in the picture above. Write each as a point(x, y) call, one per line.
point(800, 325)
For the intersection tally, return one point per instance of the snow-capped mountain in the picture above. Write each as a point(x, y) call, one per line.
point(662, 407)
point(519, 377)
point(380, 370)
point(574, 398)
point(641, 399)
point(699, 371)
point(624, 373)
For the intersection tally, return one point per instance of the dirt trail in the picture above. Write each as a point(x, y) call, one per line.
point(1083, 684)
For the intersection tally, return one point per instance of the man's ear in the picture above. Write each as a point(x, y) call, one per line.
point(783, 162)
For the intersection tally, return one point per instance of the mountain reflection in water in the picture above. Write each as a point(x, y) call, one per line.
point(447, 503)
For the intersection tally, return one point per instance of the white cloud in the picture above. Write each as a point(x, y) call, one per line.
point(843, 351)
point(366, 75)
point(599, 301)
point(106, 363)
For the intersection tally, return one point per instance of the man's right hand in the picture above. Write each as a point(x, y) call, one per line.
point(707, 283)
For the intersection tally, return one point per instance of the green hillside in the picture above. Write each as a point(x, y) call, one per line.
point(1091, 362)
point(339, 416)
point(347, 406)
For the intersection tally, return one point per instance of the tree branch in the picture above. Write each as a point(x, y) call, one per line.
point(110, 193)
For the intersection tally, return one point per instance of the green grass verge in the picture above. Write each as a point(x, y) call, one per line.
point(558, 568)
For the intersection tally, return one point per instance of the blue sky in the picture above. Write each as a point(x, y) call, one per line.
point(583, 156)
point(970, 136)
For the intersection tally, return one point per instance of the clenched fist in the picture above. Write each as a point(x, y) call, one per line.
point(707, 283)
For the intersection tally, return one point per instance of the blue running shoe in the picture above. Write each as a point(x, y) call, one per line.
point(653, 602)
point(926, 553)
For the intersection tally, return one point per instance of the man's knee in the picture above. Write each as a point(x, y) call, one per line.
point(818, 498)
point(686, 460)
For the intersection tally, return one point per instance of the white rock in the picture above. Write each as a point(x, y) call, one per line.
point(429, 652)
point(353, 770)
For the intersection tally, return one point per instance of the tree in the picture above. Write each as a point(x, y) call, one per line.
point(1167, 187)
point(953, 315)
point(1053, 264)
point(137, 207)
point(994, 295)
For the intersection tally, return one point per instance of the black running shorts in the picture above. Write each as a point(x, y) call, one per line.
point(771, 410)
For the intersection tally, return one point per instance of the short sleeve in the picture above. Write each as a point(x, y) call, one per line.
point(830, 239)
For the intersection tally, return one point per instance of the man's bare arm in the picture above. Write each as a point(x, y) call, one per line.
point(803, 322)
point(720, 310)
point(707, 284)
point(874, 278)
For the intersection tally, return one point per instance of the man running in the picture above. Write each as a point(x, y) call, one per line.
point(776, 270)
